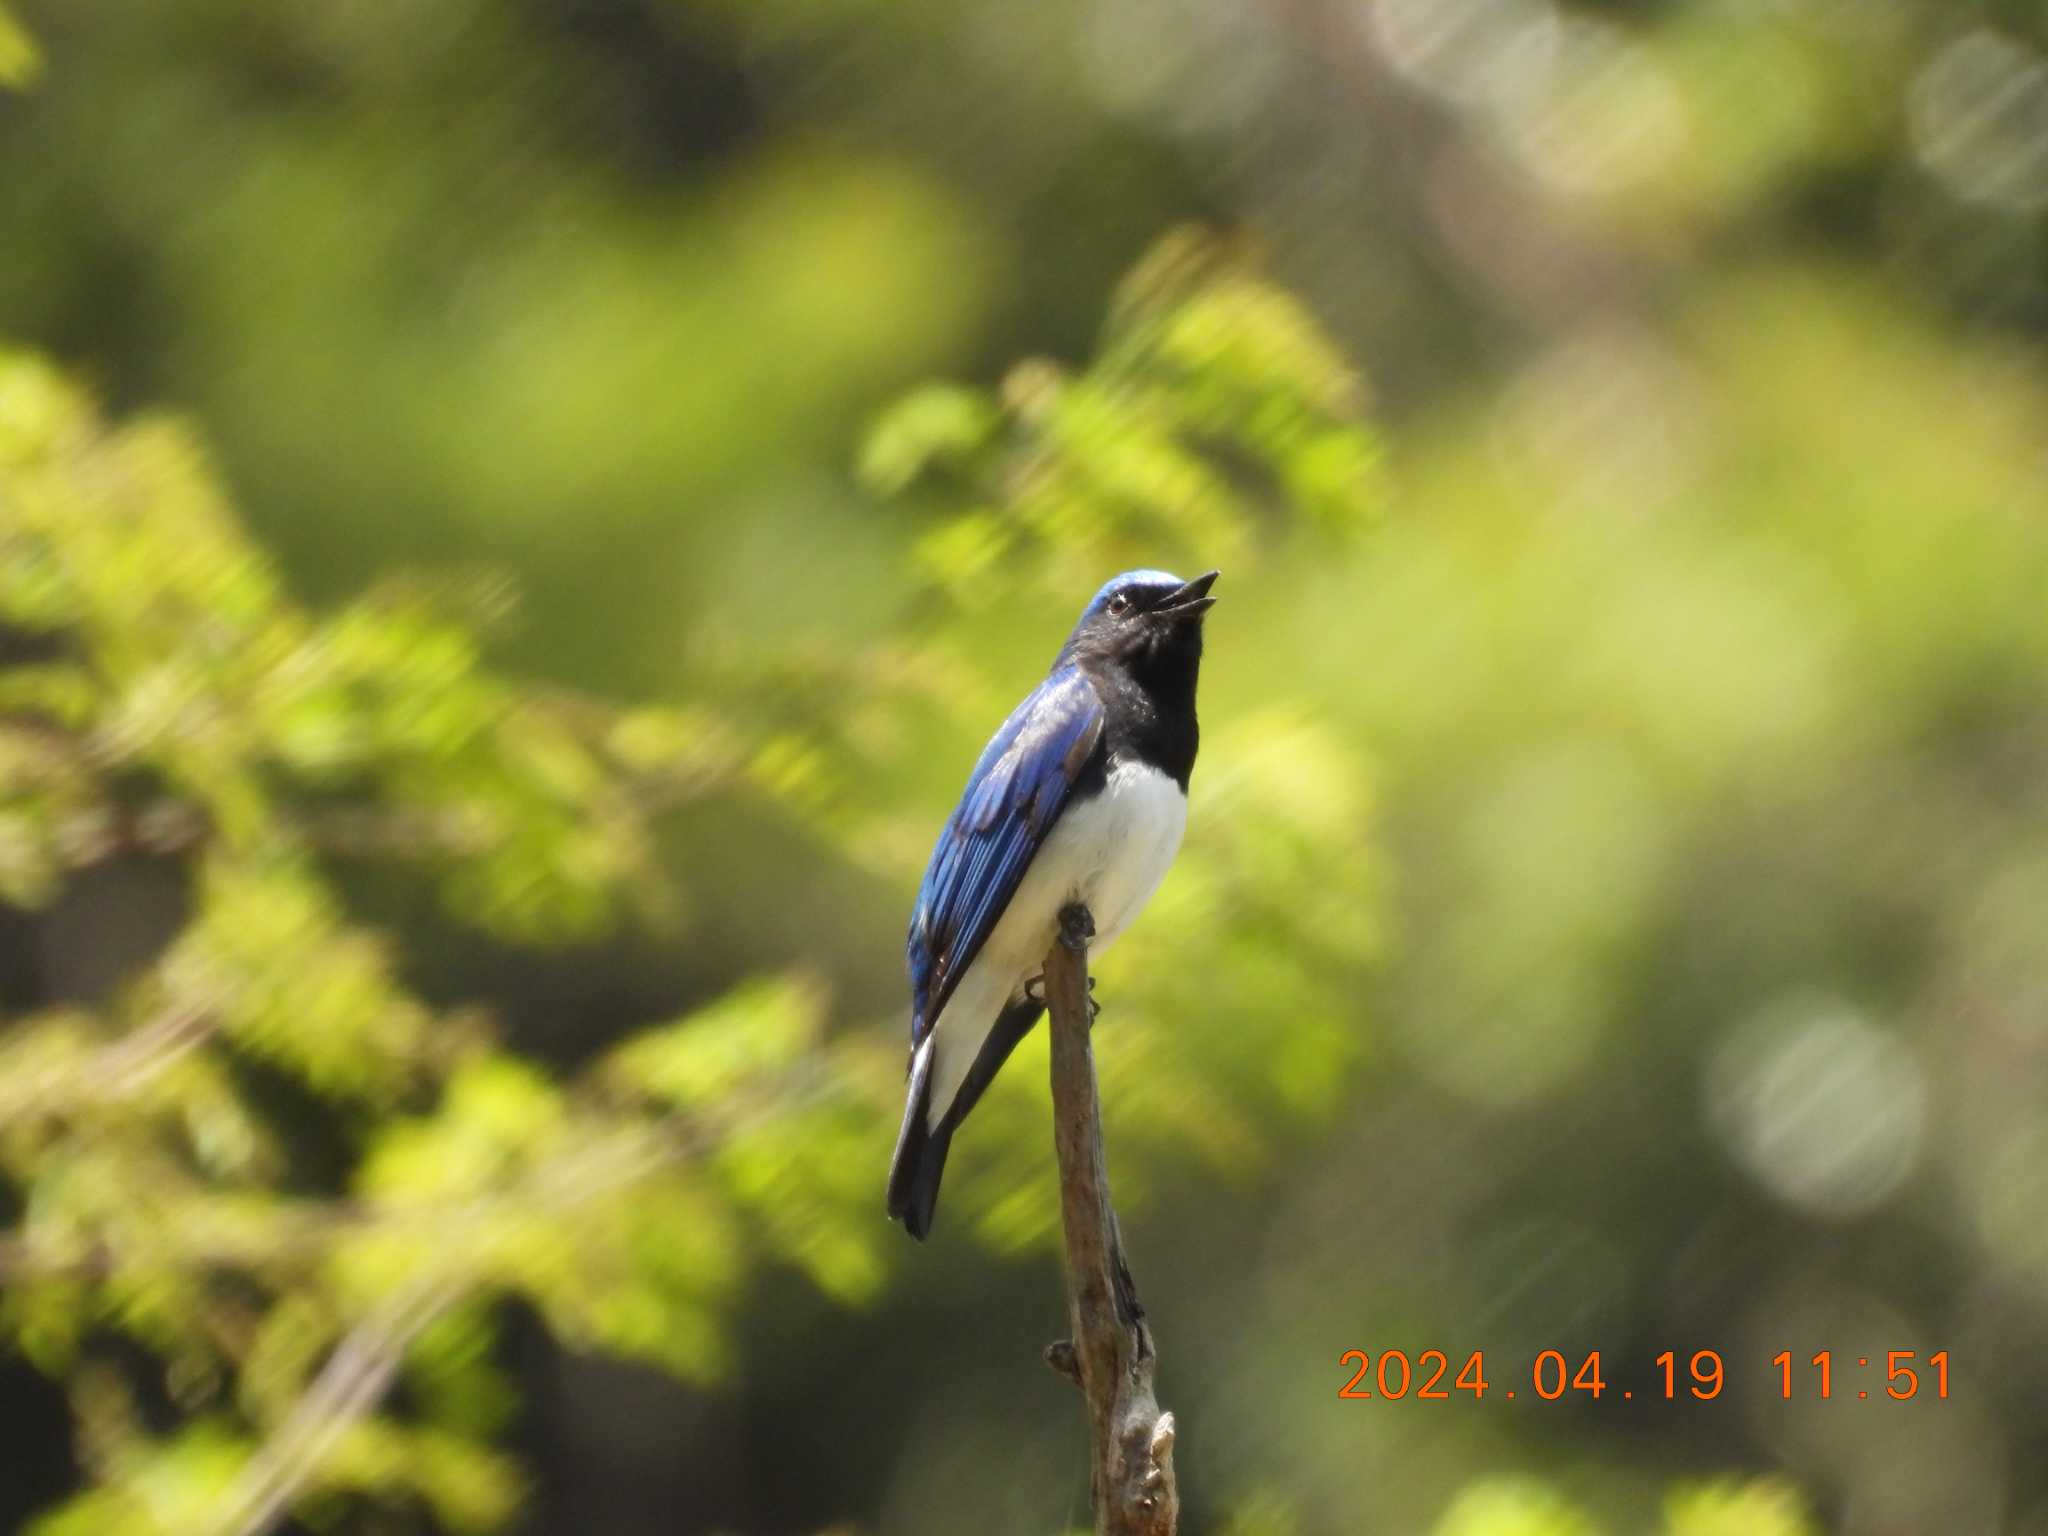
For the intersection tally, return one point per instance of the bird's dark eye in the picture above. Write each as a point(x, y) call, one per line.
point(1120, 604)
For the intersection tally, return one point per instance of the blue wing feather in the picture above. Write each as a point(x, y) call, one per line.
point(1013, 798)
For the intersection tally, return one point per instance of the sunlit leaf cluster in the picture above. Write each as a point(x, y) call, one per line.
point(1215, 408)
point(1527, 1507)
point(162, 1145)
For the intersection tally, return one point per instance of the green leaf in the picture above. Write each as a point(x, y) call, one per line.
point(1512, 1507)
point(705, 1059)
point(938, 424)
point(1765, 1507)
point(20, 60)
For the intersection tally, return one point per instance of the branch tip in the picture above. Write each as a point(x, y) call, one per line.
point(1111, 1355)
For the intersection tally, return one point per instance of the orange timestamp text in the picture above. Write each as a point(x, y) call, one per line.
point(1428, 1377)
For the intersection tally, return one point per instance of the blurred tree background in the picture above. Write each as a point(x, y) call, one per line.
point(495, 602)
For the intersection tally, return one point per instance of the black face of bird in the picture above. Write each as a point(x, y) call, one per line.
point(1145, 619)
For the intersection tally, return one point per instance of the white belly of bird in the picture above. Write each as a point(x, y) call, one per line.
point(1108, 852)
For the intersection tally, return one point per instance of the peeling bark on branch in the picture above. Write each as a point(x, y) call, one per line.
point(1110, 1356)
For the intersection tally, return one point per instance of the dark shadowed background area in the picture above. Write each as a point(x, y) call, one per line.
point(516, 517)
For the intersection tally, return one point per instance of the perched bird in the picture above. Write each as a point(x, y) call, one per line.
point(1081, 796)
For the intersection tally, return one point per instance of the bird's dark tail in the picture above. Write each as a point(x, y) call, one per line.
point(920, 1152)
point(921, 1147)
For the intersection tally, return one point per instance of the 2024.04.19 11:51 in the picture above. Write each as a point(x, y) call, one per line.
point(1392, 1375)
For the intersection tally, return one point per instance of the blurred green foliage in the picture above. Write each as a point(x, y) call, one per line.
point(1509, 1507)
point(19, 59)
point(169, 700)
point(1611, 915)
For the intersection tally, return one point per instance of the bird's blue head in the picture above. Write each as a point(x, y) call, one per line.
point(1143, 617)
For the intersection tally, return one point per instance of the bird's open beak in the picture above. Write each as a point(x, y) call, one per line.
point(1191, 599)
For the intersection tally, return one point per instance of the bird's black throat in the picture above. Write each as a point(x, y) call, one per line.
point(1148, 701)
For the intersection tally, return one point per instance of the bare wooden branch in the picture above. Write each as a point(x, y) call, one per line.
point(1110, 1356)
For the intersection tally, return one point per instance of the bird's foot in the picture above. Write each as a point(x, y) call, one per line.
point(1077, 925)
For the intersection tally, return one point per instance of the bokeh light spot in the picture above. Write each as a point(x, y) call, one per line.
point(1822, 1107)
point(1978, 114)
